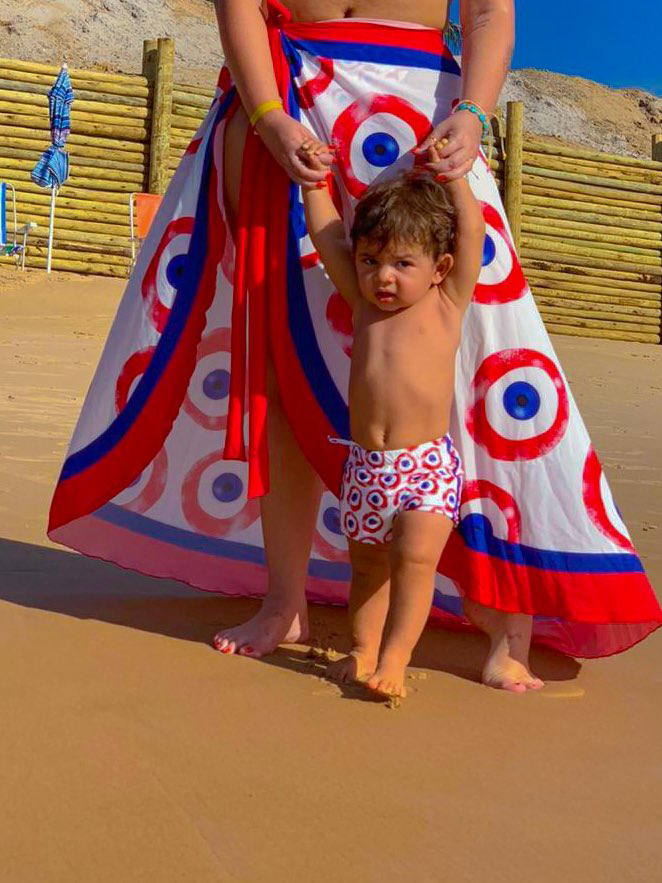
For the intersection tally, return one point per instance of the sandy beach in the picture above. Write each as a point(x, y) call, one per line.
point(131, 751)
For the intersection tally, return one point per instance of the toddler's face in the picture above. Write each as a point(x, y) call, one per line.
point(398, 275)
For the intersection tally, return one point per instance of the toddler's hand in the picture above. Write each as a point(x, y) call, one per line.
point(309, 154)
point(434, 158)
point(453, 185)
point(457, 154)
point(282, 137)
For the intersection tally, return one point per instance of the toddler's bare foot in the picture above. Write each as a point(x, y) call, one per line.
point(389, 678)
point(357, 666)
point(263, 633)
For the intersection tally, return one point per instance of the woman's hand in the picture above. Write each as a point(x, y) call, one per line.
point(464, 132)
point(283, 137)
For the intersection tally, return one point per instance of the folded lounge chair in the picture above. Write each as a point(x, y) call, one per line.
point(142, 210)
point(9, 245)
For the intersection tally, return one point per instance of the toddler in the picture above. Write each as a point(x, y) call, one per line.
point(408, 274)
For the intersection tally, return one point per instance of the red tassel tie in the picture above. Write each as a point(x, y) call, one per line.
point(264, 201)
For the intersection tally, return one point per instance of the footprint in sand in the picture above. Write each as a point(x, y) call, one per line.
point(562, 693)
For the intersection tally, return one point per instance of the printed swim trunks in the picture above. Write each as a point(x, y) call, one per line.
point(378, 485)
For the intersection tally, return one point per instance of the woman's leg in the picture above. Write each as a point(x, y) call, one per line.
point(289, 510)
point(507, 665)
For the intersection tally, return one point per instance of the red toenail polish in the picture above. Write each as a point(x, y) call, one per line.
point(248, 649)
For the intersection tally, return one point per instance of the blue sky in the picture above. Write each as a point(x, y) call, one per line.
point(617, 42)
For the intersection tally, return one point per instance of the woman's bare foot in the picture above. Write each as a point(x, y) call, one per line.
point(389, 678)
point(263, 633)
point(505, 673)
point(357, 666)
point(507, 665)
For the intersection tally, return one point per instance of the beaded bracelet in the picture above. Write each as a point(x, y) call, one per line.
point(263, 109)
point(477, 109)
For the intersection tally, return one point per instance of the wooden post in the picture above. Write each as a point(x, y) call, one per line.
point(149, 72)
point(149, 60)
point(159, 153)
point(656, 152)
point(513, 168)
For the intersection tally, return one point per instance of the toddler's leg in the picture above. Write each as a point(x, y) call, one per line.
point(368, 606)
point(507, 666)
point(418, 541)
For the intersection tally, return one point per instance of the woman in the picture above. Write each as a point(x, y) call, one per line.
point(228, 266)
point(294, 498)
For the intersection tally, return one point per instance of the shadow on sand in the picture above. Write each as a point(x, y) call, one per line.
point(74, 585)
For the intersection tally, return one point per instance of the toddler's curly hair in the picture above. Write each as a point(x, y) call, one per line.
point(411, 207)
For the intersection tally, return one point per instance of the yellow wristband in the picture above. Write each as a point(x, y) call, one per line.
point(263, 109)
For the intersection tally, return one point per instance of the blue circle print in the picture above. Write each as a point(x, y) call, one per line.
point(216, 384)
point(381, 149)
point(227, 487)
point(489, 250)
point(521, 400)
point(176, 269)
point(299, 220)
point(331, 519)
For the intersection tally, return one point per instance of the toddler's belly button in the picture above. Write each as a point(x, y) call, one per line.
point(370, 436)
point(377, 439)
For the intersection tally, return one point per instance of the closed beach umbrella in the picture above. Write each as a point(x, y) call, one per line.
point(52, 169)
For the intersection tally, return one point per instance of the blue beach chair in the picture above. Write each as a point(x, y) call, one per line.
point(9, 244)
point(7, 247)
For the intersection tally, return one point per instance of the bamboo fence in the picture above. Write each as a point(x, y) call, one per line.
point(588, 228)
point(587, 225)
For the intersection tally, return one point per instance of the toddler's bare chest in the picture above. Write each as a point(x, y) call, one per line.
point(401, 342)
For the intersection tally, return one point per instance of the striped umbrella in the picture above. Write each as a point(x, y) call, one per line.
point(52, 170)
